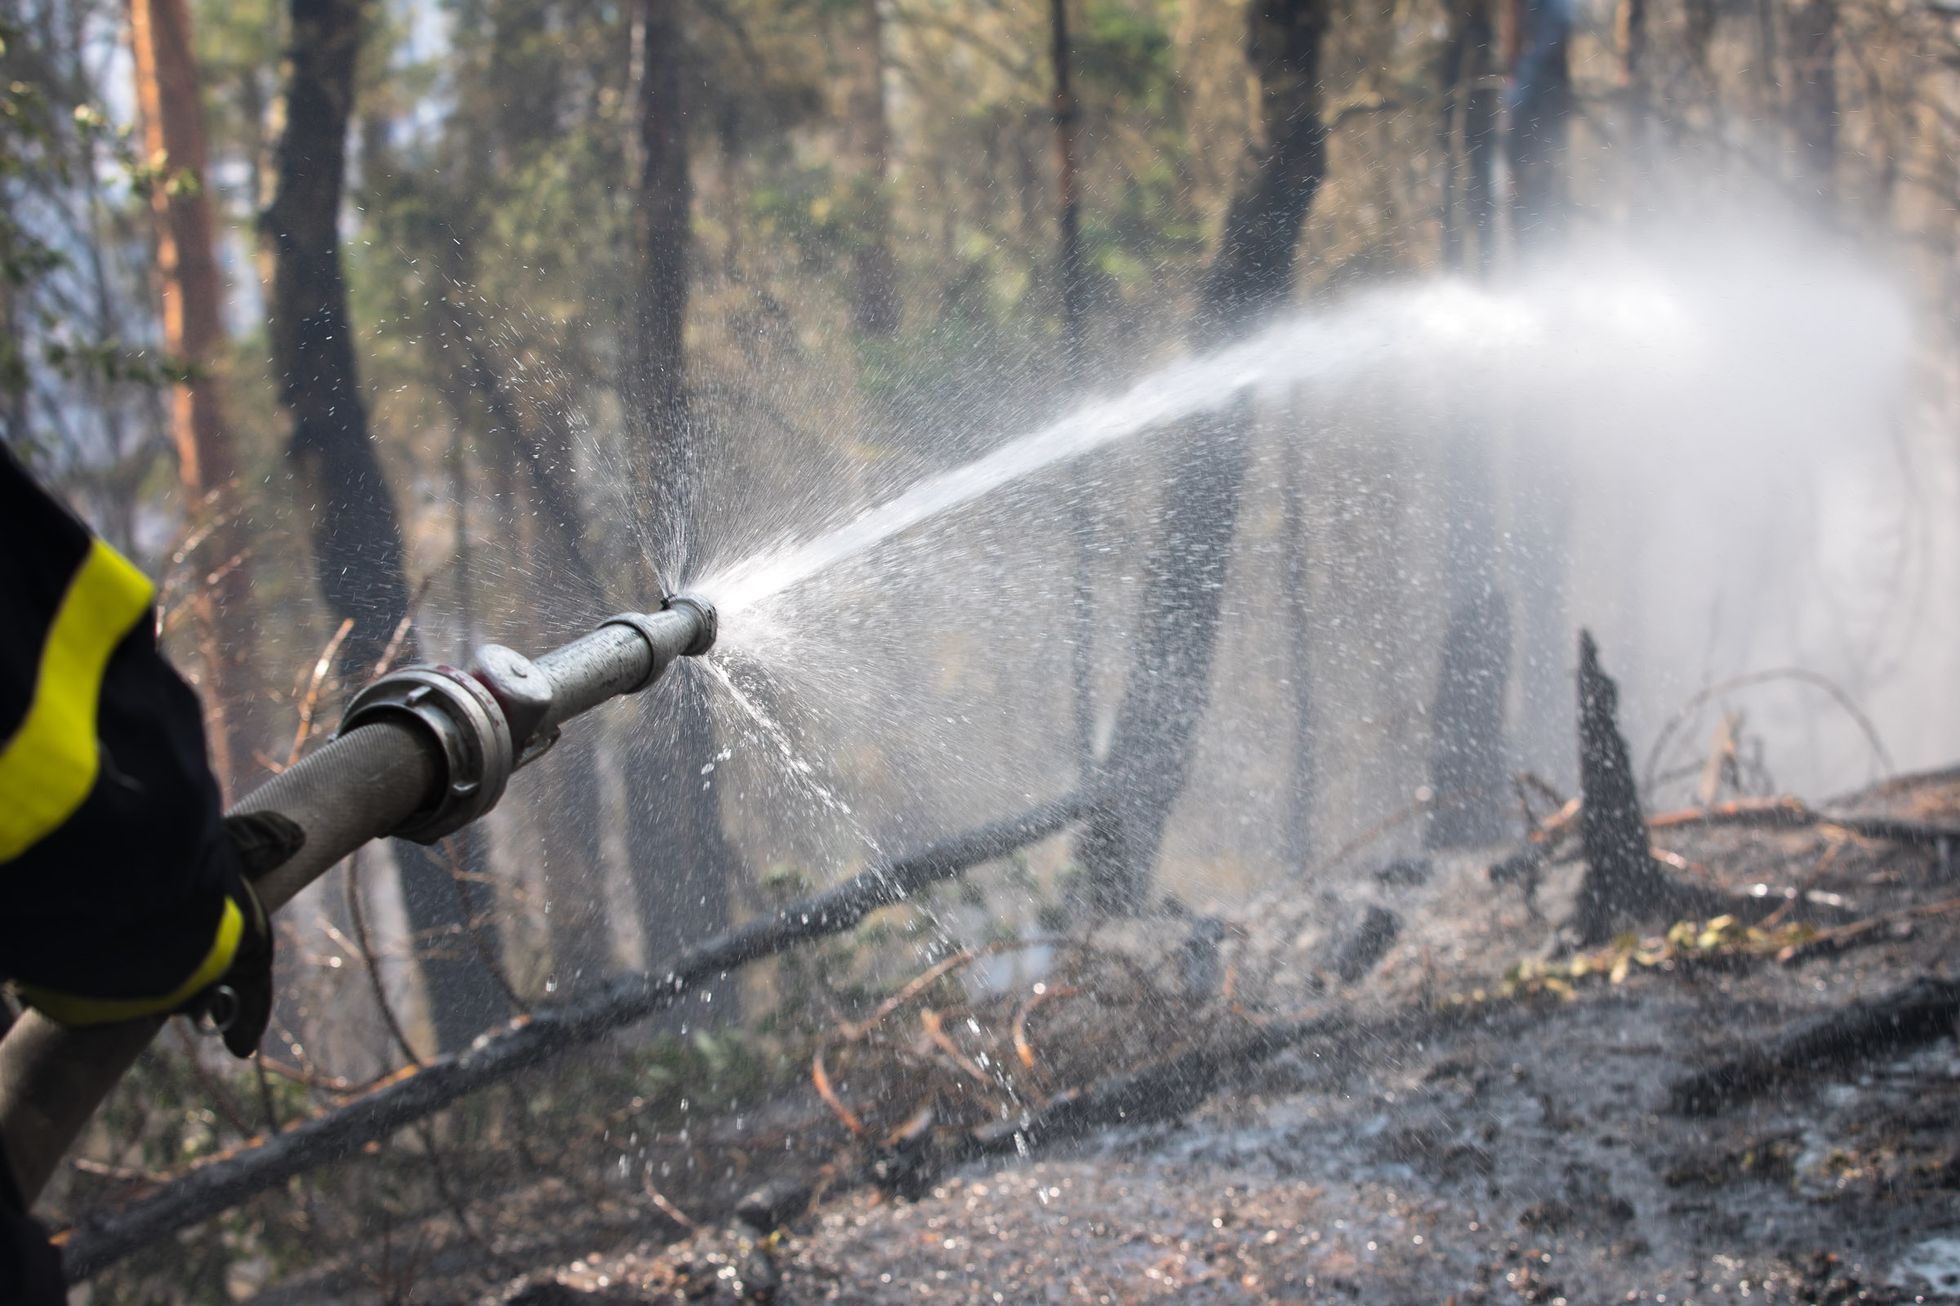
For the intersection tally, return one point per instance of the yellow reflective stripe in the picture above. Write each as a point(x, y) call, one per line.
point(49, 766)
point(70, 1009)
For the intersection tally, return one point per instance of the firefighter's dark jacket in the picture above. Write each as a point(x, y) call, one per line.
point(116, 896)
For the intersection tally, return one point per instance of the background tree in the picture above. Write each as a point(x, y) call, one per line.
point(1149, 756)
point(192, 301)
point(358, 549)
point(682, 862)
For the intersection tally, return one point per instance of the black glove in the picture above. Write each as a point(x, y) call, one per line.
point(240, 1003)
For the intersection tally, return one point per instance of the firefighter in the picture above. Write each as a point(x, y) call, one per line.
point(124, 893)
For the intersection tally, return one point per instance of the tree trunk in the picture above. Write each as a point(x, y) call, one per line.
point(1541, 123)
point(1071, 276)
point(1540, 146)
point(1631, 37)
point(1149, 756)
point(874, 273)
point(1069, 268)
point(1466, 762)
point(1813, 105)
point(1699, 36)
point(682, 862)
point(358, 551)
point(192, 299)
point(1299, 668)
point(1467, 742)
point(1480, 118)
point(1465, 74)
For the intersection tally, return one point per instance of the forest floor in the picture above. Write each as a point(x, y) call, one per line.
point(1479, 1115)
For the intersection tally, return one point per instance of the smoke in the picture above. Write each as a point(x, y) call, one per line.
point(1692, 442)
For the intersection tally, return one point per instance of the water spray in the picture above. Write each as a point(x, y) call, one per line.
point(421, 752)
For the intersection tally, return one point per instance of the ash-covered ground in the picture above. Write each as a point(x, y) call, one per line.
point(1480, 1115)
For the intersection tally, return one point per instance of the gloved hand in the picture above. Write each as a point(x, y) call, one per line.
point(239, 1004)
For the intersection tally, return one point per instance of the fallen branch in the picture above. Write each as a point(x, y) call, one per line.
point(1792, 813)
point(104, 1237)
point(1164, 1090)
point(1918, 1013)
point(1845, 936)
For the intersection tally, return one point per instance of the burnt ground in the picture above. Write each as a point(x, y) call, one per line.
point(1476, 1118)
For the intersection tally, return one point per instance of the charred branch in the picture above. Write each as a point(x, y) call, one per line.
point(106, 1237)
point(1916, 1014)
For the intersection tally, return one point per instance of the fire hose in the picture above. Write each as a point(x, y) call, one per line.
point(420, 753)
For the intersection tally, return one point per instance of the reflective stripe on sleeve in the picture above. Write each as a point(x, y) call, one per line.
point(73, 1009)
point(49, 766)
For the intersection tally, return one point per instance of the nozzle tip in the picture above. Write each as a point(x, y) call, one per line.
point(705, 619)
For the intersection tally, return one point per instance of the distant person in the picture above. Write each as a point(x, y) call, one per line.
point(123, 891)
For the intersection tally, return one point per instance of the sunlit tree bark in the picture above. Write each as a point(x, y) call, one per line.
point(192, 298)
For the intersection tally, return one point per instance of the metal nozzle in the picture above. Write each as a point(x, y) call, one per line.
point(703, 613)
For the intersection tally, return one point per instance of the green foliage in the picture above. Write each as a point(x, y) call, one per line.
point(811, 207)
point(1150, 230)
point(25, 258)
point(51, 144)
point(1124, 53)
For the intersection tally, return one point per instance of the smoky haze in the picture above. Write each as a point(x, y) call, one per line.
point(1706, 431)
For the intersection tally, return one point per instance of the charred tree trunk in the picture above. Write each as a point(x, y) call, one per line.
point(874, 271)
point(1812, 41)
point(1149, 756)
point(1622, 881)
point(1466, 761)
point(1467, 741)
point(1631, 37)
point(681, 860)
point(1541, 123)
point(1701, 16)
point(1069, 268)
point(192, 299)
point(358, 552)
point(1299, 669)
point(1072, 277)
point(1541, 130)
point(1468, 80)
point(1480, 140)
